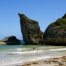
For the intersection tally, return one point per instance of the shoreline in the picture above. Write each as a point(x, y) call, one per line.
point(53, 61)
point(31, 57)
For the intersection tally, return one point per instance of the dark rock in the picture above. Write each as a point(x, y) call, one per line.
point(30, 30)
point(55, 33)
point(11, 40)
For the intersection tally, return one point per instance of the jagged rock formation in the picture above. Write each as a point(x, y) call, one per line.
point(30, 30)
point(11, 40)
point(55, 33)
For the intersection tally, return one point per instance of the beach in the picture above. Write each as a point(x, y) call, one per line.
point(56, 61)
point(21, 55)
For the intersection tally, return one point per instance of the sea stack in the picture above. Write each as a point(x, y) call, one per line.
point(30, 30)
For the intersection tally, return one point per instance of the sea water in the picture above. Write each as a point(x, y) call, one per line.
point(13, 55)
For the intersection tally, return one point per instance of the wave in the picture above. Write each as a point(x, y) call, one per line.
point(36, 51)
point(60, 49)
point(26, 52)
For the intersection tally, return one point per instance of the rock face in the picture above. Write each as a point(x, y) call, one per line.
point(30, 30)
point(55, 33)
point(11, 40)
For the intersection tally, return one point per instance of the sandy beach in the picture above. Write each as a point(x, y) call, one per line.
point(56, 61)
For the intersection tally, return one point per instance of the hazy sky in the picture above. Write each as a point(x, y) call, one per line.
point(44, 11)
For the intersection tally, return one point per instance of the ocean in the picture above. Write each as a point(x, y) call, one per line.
point(16, 55)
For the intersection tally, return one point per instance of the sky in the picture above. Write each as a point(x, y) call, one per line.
point(43, 11)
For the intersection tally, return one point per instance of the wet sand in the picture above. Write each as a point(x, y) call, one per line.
point(56, 61)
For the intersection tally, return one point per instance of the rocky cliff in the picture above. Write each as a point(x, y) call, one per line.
point(55, 33)
point(30, 30)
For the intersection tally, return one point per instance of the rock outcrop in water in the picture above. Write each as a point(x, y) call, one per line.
point(11, 40)
point(55, 33)
point(30, 30)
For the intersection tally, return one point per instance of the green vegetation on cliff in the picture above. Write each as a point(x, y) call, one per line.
point(55, 33)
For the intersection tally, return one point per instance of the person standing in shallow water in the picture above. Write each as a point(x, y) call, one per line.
point(33, 47)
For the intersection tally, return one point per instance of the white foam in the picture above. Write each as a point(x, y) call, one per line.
point(32, 59)
point(19, 49)
point(36, 51)
point(14, 63)
point(60, 49)
point(11, 64)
